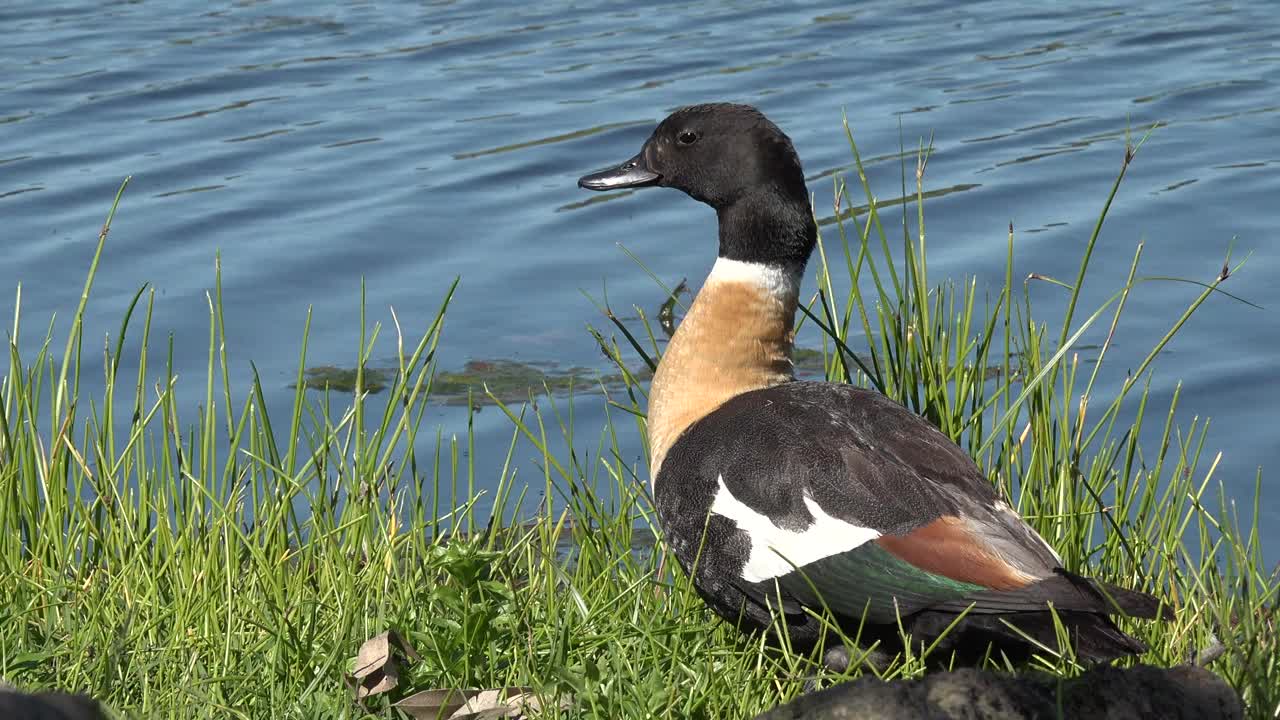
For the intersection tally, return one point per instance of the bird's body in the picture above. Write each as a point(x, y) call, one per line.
point(783, 498)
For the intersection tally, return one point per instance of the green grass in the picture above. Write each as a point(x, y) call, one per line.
point(230, 563)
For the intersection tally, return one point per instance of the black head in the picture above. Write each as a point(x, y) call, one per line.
point(717, 153)
point(734, 159)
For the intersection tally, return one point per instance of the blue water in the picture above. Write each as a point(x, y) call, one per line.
point(406, 143)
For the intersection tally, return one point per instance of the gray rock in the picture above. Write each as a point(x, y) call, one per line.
point(1105, 693)
point(17, 705)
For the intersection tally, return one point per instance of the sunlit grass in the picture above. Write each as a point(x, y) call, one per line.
point(228, 563)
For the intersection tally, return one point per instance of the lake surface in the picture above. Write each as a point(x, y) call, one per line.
point(406, 143)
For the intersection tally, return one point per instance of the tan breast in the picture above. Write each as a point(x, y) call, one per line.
point(736, 337)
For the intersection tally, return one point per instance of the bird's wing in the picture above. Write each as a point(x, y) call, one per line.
point(828, 494)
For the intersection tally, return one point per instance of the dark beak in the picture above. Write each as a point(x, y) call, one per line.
point(633, 173)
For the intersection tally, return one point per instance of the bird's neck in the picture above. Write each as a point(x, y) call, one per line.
point(770, 225)
point(736, 337)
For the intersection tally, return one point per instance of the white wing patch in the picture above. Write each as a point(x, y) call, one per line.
point(776, 552)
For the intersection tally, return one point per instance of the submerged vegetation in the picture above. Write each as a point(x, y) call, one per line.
point(483, 382)
point(230, 563)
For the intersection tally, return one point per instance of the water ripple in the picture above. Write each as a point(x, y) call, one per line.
point(405, 143)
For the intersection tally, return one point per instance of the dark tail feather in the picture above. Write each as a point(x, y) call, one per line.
point(1097, 639)
point(1066, 592)
point(1081, 604)
point(1123, 601)
point(1094, 637)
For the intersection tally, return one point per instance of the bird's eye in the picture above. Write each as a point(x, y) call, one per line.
point(687, 137)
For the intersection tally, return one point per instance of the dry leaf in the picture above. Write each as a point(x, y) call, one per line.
point(375, 669)
point(374, 654)
point(490, 704)
point(379, 681)
point(510, 702)
point(432, 704)
point(493, 703)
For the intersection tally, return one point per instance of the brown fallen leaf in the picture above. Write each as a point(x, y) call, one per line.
point(432, 704)
point(489, 704)
point(510, 702)
point(379, 681)
point(375, 670)
point(494, 703)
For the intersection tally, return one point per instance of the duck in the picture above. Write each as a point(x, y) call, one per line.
point(790, 501)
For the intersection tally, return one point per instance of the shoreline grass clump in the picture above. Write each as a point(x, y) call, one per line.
point(231, 563)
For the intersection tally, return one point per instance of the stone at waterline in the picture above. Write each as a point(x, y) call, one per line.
point(17, 705)
point(1106, 693)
